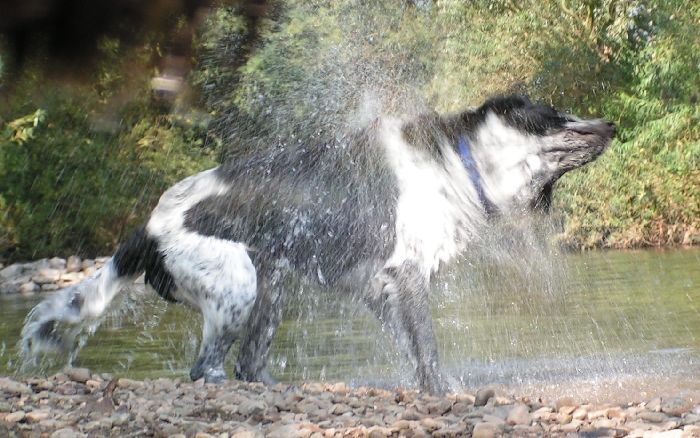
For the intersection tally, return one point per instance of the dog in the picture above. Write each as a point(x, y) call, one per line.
point(374, 212)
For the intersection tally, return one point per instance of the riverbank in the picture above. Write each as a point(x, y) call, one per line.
point(78, 403)
point(46, 275)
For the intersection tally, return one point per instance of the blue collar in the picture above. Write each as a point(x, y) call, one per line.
point(465, 153)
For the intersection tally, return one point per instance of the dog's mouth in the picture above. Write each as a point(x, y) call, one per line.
point(600, 128)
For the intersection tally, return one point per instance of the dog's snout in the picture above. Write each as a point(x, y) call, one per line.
point(601, 128)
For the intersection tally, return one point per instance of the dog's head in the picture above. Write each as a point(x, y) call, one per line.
point(521, 149)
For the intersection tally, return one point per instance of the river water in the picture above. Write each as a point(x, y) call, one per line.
point(597, 324)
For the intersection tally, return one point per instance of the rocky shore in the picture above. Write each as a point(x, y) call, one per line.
point(46, 275)
point(78, 403)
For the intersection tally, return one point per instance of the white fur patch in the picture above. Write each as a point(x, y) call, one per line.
point(438, 209)
point(506, 159)
point(211, 274)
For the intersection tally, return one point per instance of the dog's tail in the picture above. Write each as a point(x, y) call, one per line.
point(54, 323)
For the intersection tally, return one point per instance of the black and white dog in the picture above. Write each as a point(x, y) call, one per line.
point(375, 213)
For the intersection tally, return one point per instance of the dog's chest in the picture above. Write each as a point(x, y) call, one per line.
point(430, 215)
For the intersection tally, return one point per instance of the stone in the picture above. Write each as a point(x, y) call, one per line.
point(80, 375)
point(288, 431)
point(604, 423)
point(37, 416)
point(461, 408)
point(12, 271)
point(676, 406)
point(29, 288)
point(74, 264)
point(130, 384)
point(49, 287)
point(247, 434)
point(47, 275)
point(484, 430)
point(250, 408)
point(430, 424)
point(580, 414)
point(439, 408)
point(15, 388)
point(67, 433)
point(410, 414)
point(519, 414)
point(564, 402)
point(483, 395)
point(339, 409)
point(15, 417)
point(71, 278)
point(572, 426)
point(654, 404)
point(652, 417)
point(57, 263)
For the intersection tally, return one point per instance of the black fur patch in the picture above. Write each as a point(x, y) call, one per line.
point(325, 206)
point(522, 114)
point(140, 253)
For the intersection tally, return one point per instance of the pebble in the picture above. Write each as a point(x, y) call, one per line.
point(483, 395)
point(519, 414)
point(166, 407)
point(675, 406)
point(80, 375)
point(15, 417)
point(12, 387)
point(484, 430)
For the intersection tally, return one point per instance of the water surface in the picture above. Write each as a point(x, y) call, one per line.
point(622, 322)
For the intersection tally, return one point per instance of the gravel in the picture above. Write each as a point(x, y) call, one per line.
point(77, 403)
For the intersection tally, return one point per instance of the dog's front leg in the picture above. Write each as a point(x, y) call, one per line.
point(401, 303)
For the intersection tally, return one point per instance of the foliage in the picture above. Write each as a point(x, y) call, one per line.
point(73, 180)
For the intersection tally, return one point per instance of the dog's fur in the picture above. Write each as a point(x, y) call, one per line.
point(375, 212)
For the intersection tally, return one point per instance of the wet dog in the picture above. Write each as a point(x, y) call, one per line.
point(374, 212)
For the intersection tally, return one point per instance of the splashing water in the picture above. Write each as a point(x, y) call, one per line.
point(511, 311)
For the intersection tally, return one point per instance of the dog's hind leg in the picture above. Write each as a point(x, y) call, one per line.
point(218, 278)
point(400, 300)
point(262, 325)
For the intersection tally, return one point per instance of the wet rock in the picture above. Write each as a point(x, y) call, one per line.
point(130, 384)
point(57, 263)
point(339, 409)
point(580, 414)
point(675, 406)
point(482, 396)
point(519, 414)
point(250, 408)
point(74, 264)
point(439, 408)
point(29, 288)
point(11, 387)
point(410, 415)
point(47, 275)
point(484, 430)
point(49, 287)
point(289, 431)
point(37, 416)
point(653, 417)
point(564, 402)
point(15, 417)
point(11, 272)
point(572, 426)
point(654, 404)
point(80, 375)
point(461, 408)
point(67, 433)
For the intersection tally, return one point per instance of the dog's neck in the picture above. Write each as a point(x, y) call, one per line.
point(465, 154)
